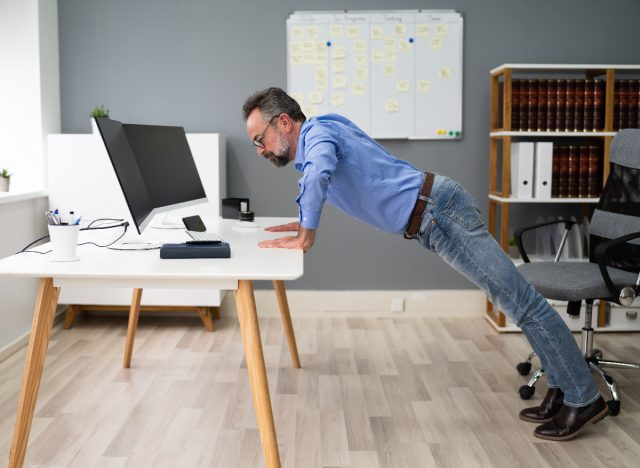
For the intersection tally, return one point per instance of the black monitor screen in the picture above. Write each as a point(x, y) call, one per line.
point(126, 169)
point(154, 166)
point(166, 163)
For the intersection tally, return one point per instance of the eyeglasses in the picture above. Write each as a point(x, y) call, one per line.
point(258, 141)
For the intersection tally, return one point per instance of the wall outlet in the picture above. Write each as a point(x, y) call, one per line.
point(397, 304)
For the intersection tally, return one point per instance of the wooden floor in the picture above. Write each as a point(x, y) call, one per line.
point(387, 391)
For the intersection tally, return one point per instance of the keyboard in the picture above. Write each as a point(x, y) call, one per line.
point(203, 236)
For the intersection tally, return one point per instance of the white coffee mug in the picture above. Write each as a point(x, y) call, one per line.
point(64, 239)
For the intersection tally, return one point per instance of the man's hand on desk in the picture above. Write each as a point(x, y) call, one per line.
point(303, 241)
point(294, 226)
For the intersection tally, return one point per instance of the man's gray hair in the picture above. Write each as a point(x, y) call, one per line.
point(273, 102)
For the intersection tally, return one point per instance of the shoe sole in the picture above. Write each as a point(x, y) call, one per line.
point(524, 418)
point(596, 419)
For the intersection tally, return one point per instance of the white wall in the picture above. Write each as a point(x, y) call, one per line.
point(22, 222)
point(30, 98)
point(29, 88)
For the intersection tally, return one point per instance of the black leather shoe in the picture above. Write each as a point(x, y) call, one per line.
point(570, 421)
point(549, 407)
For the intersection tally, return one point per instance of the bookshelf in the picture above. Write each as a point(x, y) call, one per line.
point(600, 124)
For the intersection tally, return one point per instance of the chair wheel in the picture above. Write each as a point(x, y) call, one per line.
point(526, 392)
point(614, 407)
point(597, 354)
point(524, 368)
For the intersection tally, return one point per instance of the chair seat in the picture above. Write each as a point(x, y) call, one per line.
point(573, 281)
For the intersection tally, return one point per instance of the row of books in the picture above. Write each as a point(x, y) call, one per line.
point(626, 104)
point(545, 170)
point(569, 105)
point(577, 171)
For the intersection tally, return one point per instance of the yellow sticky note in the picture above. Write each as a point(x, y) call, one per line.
point(296, 59)
point(337, 99)
point(362, 73)
point(339, 81)
point(361, 60)
point(444, 73)
point(308, 46)
point(435, 43)
point(313, 32)
point(335, 30)
point(321, 82)
point(422, 30)
point(339, 52)
point(295, 47)
point(297, 32)
point(360, 45)
point(315, 97)
point(390, 57)
point(399, 29)
point(390, 44)
point(299, 97)
point(310, 111)
point(402, 86)
point(442, 29)
point(377, 32)
point(357, 89)
point(377, 56)
point(391, 105)
point(353, 32)
point(339, 66)
point(424, 86)
point(309, 58)
point(404, 46)
point(389, 70)
point(321, 73)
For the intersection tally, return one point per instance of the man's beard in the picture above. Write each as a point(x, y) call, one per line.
point(281, 157)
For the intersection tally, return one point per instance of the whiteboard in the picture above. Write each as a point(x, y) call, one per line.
point(395, 74)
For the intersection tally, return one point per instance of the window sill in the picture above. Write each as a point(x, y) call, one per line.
point(11, 197)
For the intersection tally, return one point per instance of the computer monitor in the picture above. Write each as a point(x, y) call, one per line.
point(154, 166)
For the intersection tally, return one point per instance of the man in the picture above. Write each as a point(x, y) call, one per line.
point(342, 165)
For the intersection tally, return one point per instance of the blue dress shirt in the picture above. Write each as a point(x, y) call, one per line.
point(344, 166)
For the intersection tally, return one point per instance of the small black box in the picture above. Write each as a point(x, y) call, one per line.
point(231, 207)
point(219, 250)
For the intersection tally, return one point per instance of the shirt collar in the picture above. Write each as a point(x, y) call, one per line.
point(299, 160)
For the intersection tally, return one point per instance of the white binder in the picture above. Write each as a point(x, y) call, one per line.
point(522, 169)
point(543, 169)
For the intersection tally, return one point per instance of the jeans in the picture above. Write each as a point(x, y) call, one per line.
point(452, 227)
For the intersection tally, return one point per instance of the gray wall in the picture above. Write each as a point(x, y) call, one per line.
point(192, 63)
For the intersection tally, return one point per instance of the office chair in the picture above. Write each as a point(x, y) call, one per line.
point(614, 261)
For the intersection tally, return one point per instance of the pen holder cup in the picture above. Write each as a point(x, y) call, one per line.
point(64, 239)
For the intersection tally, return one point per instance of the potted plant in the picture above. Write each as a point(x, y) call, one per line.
point(5, 178)
point(98, 111)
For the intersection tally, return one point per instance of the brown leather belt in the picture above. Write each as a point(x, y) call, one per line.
point(418, 209)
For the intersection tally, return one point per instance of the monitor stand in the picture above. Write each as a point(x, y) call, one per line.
point(167, 221)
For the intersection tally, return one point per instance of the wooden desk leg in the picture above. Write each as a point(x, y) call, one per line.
point(281, 294)
point(134, 313)
point(247, 315)
point(46, 303)
point(70, 315)
point(206, 317)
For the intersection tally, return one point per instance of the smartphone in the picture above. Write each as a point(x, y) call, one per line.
point(194, 223)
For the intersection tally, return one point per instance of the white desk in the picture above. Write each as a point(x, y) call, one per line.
point(144, 269)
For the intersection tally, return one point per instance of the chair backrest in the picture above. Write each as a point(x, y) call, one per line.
point(618, 211)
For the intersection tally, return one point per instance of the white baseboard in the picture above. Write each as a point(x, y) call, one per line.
point(23, 339)
point(305, 303)
point(424, 303)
